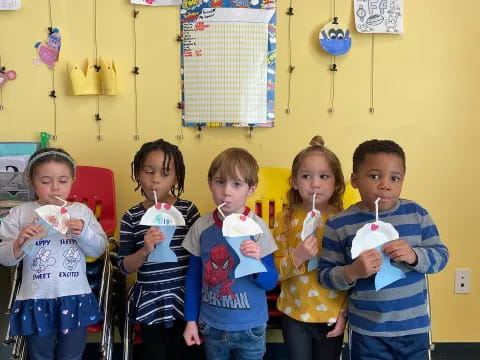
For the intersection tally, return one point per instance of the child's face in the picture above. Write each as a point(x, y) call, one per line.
point(153, 176)
point(379, 176)
point(232, 192)
point(52, 179)
point(315, 176)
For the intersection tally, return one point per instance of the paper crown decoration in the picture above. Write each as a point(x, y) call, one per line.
point(86, 80)
point(49, 51)
point(54, 217)
point(162, 214)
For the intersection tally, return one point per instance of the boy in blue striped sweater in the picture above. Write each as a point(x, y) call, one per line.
point(391, 323)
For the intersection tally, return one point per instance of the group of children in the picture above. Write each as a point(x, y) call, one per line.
point(198, 300)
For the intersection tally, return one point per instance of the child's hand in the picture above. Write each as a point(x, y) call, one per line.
point(26, 233)
point(366, 264)
point(250, 248)
point(339, 326)
point(305, 250)
point(400, 250)
point(75, 226)
point(191, 334)
point(152, 236)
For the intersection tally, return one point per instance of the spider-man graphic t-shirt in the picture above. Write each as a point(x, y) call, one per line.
point(227, 303)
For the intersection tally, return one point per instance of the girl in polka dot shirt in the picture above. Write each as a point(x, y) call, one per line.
point(312, 321)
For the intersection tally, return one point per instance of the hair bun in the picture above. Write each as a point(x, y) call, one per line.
point(317, 140)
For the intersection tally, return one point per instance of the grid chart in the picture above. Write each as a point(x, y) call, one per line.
point(228, 64)
point(225, 73)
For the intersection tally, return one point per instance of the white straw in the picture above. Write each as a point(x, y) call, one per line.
point(376, 209)
point(220, 211)
point(313, 202)
point(64, 201)
point(155, 196)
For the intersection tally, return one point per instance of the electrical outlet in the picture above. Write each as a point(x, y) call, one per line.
point(462, 281)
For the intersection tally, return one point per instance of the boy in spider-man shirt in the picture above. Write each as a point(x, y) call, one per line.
point(231, 312)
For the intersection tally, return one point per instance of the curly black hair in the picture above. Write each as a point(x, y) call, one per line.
point(171, 152)
point(376, 146)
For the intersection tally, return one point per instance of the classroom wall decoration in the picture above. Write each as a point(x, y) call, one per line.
point(49, 50)
point(335, 39)
point(10, 4)
point(379, 16)
point(228, 62)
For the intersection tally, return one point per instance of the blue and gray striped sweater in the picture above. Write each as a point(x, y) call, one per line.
point(400, 308)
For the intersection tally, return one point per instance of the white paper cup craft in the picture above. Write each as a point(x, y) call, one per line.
point(237, 228)
point(374, 236)
point(53, 219)
point(166, 218)
point(312, 222)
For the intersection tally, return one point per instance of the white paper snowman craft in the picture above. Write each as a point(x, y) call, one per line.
point(374, 236)
point(237, 228)
point(166, 218)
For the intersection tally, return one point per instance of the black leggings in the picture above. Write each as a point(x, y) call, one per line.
point(309, 340)
point(161, 343)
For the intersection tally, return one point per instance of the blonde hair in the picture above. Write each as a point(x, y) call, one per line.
point(293, 196)
point(234, 162)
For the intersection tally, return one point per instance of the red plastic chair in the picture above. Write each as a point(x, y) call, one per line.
point(95, 187)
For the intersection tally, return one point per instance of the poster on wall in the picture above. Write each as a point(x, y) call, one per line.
point(379, 16)
point(228, 63)
point(156, 2)
point(10, 4)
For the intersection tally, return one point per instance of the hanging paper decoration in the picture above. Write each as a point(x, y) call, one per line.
point(236, 229)
point(335, 39)
point(10, 4)
point(49, 51)
point(5, 76)
point(156, 2)
point(379, 16)
point(166, 218)
point(85, 80)
point(90, 79)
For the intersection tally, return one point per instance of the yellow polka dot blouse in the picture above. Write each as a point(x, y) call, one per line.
point(302, 297)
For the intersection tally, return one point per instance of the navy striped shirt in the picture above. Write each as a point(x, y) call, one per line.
point(401, 307)
point(158, 294)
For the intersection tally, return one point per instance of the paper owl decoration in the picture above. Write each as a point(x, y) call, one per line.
point(49, 51)
point(334, 39)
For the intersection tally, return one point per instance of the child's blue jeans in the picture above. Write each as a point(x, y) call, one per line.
point(241, 345)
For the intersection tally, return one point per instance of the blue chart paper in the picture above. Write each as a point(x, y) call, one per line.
point(162, 252)
point(247, 265)
point(388, 274)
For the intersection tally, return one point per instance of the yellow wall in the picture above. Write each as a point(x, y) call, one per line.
point(426, 99)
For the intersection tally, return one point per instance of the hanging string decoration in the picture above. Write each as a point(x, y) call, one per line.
point(373, 17)
point(334, 39)
point(291, 67)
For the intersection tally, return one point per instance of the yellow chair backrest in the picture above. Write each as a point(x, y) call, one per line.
point(271, 194)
